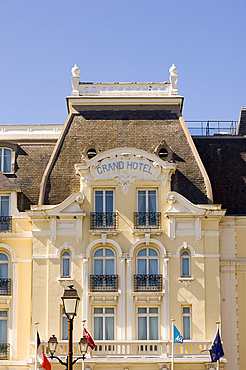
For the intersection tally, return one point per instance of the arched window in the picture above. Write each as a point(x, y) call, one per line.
point(5, 287)
point(5, 160)
point(4, 266)
point(66, 264)
point(104, 262)
point(147, 277)
point(104, 278)
point(147, 261)
point(185, 263)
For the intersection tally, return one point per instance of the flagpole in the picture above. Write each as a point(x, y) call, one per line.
point(218, 362)
point(172, 321)
point(36, 346)
point(83, 361)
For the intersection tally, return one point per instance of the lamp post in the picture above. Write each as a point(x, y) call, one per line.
point(70, 301)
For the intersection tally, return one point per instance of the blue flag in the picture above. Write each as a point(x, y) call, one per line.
point(216, 349)
point(177, 336)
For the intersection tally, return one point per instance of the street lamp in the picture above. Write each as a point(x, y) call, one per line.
point(70, 301)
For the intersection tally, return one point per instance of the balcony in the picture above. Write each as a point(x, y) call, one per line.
point(4, 351)
point(147, 220)
point(104, 283)
point(104, 220)
point(134, 350)
point(148, 283)
point(5, 223)
point(5, 286)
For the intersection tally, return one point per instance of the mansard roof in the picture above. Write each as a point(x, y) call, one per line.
point(7, 184)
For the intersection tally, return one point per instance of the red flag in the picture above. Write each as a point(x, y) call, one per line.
point(44, 362)
point(89, 338)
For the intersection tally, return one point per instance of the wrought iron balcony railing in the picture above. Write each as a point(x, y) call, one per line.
point(4, 351)
point(147, 220)
point(5, 286)
point(104, 220)
point(5, 223)
point(104, 283)
point(148, 283)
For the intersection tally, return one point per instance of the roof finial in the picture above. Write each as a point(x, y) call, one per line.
point(173, 79)
point(75, 80)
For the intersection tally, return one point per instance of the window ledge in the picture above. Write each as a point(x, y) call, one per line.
point(5, 300)
point(186, 280)
point(144, 231)
point(104, 231)
point(148, 297)
point(104, 296)
point(136, 294)
point(65, 281)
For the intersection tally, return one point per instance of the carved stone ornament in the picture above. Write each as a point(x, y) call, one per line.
point(125, 169)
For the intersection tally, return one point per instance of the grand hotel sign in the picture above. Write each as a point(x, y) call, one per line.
point(125, 168)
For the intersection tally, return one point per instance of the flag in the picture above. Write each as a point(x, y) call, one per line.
point(216, 349)
point(44, 362)
point(89, 338)
point(177, 336)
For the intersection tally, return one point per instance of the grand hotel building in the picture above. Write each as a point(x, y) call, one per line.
point(147, 222)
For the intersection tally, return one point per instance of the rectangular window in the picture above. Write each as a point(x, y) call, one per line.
point(147, 201)
point(148, 323)
point(104, 323)
point(147, 215)
point(4, 205)
point(104, 206)
point(64, 325)
point(5, 219)
point(186, 318)
point(3, 328)
point(5, 160)
point(104, 201)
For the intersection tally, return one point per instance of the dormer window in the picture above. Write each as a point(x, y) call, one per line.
point(5, 160)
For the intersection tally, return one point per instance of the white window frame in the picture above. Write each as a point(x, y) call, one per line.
point(147, 201)
point(184, 315)
point(147, 258)
point(63, 316)
point(104, 314)
point(65, 257)
point(5, 195)
point(148, 315)
point(5, 319)
point(104, 198)
point(5, 261)
point(2, 149)
point(188, 257)
point(104, 258)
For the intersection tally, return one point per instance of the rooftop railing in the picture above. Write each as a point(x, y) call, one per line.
point(125, 88)
point(210, 128)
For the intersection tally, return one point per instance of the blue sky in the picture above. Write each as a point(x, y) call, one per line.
point(114, 40)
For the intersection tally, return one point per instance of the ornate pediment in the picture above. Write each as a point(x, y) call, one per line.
point(179, 205)
point(72, 206)
point(125, 166)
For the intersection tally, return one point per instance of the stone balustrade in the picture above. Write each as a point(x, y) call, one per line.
point(124, 88)
point(130, 349)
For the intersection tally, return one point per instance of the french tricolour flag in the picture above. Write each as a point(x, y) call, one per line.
point(42, 359)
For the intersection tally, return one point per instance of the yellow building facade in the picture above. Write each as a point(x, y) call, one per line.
point(118, 203)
